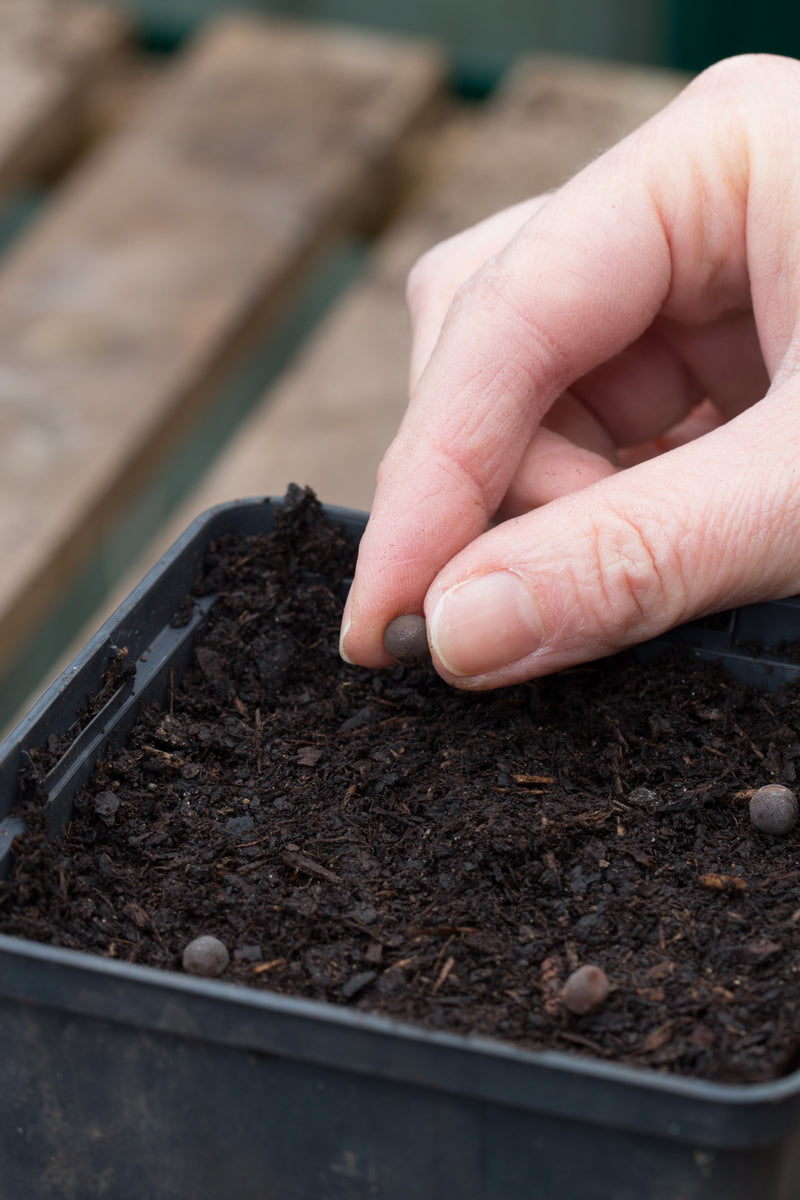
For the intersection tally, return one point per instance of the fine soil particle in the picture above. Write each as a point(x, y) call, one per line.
point(380, 840)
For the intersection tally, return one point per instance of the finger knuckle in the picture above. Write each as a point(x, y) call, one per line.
point(733, 83)
point(637, 577)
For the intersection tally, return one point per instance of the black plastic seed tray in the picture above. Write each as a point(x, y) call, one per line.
point(758, 643)
point(126, 1082)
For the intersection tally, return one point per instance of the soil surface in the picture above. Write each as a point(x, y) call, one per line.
point(380, 840)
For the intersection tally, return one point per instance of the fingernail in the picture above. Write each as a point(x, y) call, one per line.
point(344, 632)
point(485, 623)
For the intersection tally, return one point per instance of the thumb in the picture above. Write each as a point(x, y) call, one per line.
point(703, 527)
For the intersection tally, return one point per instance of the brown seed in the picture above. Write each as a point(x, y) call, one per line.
point(773, 808)
point(406, 639)
point(586, 989)
point(206, 956)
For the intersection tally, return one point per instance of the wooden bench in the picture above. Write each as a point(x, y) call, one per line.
point(166, 253)
point(163, 257)
point(51, 57)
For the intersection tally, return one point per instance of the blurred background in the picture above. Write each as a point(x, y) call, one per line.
point(483, 37)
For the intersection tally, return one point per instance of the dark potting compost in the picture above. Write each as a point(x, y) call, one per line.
point(380, 840)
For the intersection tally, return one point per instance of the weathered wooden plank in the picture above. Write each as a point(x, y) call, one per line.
point(330, 418)
point(164, 258)
point(51, 55)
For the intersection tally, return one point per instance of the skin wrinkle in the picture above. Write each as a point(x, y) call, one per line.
point(774, 521)
point(563, 631)
point(589, 533)
point(621, 572)
point(431, 530)
point(510, 377)
point(720, 206)
point(516, 315)
point(704, 255)
point(449, 465)
point(744, 520)
point(709, 299)
point(446, 467)
point(759, 206)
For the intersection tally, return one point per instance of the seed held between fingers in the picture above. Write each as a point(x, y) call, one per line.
point(406, 639)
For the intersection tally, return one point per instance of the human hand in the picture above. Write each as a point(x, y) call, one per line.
point(610, 372)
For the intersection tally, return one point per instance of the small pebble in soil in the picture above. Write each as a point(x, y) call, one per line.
point(644, 796)
point(206, 956)
point(406, 639)
point(773, 808)
point(585, 990)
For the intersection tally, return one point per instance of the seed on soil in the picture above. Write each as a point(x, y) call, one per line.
point(406, 639)
point(206, 956)
point(773, 808)
point(585, 990)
